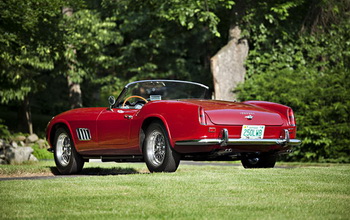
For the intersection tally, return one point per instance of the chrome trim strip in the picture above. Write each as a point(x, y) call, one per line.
point(225, 141)
point(202, 142)
point(83, 134)
point(87, 136)
point(165, 80)
point(79, 134)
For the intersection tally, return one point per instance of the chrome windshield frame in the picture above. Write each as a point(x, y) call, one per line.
point(166, 80)
point(118, 100)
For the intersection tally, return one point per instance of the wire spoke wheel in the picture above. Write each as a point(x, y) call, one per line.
point(157, 145)
point(63, 149)
point(67, 159)
point(158, 154)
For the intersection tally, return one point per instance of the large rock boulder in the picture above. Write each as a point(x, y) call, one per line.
point(42, 144)
point(2, 153)
point(19, 138)
point(18, 155)
point(12, 153)
point(228, 68)
point(32, 138)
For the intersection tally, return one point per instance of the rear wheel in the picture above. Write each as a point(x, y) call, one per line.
point(263, 160)
point(67, 159)
point(158, 154)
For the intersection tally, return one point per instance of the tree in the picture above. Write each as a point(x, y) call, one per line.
point(27, 47)
point(93, 30)
point(162, 39)
point(75, 98)
point(35, 39)
point(87, 36)
point(227, 65)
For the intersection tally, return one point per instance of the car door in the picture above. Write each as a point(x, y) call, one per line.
point(113, 127)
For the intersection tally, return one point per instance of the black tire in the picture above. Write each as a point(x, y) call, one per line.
point(263, 160)
point(158, 154)
point(67, 159)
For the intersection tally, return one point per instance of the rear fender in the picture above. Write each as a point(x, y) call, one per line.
point(156, 117)
point(179, 119)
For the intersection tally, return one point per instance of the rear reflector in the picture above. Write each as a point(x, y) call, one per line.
point(202, 118)
point(211, 129)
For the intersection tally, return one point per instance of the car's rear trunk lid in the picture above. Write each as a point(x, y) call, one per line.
point(234, 113)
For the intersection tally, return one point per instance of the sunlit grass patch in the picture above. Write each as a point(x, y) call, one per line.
point(128, 191)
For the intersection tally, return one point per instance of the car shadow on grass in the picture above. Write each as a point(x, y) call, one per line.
point(90, 171)
point(98, 171)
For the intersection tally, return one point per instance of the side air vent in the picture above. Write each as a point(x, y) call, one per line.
point(83, 134)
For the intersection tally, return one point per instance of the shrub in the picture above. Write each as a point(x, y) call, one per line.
point(4, 131)
point(312, 76)
point(41, 154)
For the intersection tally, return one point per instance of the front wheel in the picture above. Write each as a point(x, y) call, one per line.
point(67, 159)
point(158, 154)
point(263, 160)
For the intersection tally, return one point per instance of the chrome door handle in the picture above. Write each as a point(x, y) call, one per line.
point(128, 116)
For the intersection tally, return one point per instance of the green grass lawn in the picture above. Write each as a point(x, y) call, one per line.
point(127, 191)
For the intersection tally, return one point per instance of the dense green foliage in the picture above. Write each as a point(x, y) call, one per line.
point(160, 39)
point(41, 154)
point(299, 56)
point(309, 72)
point(4, 132)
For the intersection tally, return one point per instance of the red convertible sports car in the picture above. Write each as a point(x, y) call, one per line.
point(162, 122)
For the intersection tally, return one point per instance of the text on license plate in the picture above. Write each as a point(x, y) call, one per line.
point(252, 132)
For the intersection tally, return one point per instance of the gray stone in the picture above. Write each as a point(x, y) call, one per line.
point(22, 144)
point(19, 138)
point(18, 155)
point(33, 158)
point(14, 144)
point(32, 138)
point(42, 143)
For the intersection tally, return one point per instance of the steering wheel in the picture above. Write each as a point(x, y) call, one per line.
point(133, 96)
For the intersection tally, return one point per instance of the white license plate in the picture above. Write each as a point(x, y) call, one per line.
point(252, 131)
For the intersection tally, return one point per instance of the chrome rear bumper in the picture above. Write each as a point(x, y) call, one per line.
point(225, 141)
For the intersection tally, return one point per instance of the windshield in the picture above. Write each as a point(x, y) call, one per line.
point(151, 90)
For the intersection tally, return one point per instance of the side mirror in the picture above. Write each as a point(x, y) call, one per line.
point(111, 100)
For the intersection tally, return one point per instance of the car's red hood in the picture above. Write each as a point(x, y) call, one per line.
point(235, 113)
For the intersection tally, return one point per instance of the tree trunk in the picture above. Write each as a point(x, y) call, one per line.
point(25, 124)
point(227, 65)
point(75, 97)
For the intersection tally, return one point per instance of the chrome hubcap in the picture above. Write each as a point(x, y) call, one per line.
point(156, 148)
point(63, 149)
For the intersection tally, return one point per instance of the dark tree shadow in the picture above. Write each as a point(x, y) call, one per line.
point(98, 171)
